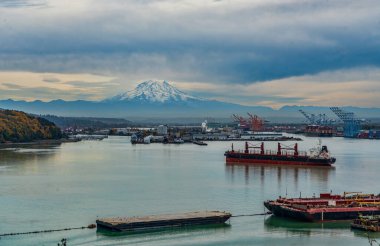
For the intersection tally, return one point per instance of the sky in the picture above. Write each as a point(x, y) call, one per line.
point(252, 52)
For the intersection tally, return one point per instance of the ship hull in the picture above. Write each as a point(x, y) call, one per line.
point(163, 221)
point(318, 215)
point(312, 134)
point(236, 158)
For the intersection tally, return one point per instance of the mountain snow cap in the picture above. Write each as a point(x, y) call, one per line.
point(154, 91)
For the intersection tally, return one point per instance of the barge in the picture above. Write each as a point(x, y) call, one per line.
point(285, 155)
point(327, 207)
point(155, 222)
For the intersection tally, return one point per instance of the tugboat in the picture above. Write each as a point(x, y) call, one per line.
point(285, 155)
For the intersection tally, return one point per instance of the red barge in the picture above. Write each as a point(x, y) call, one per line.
point(327, 207)
point(285, 155)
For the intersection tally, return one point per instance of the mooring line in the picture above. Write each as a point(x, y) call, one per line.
point(247, 215)
point(91, 226)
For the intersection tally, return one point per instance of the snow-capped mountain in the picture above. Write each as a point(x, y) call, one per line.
point(158, 99)
point(155, 91)
point(149, 99)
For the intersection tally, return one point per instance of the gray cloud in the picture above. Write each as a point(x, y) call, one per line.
point(43, 93)
point(84, 84)
point(204, 41)
point(22, 3)
point(241, 42)
point(51, 80)
point(12, 86)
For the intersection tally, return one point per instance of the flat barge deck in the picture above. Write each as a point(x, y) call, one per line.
point(154, 222)
point(325, 208)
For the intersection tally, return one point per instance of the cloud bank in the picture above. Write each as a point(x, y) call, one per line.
point(237, 44)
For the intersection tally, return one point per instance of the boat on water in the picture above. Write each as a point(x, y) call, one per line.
point(367, 223)
point(178, 141)
point(285, 155)
point(154, 222)
point(136, 139)
point(199, 143)
point(326, 207)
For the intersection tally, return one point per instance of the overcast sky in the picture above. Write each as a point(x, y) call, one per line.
point(254, 52)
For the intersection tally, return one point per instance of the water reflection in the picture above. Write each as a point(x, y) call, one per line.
point(371, 235)
point(31, 155)
point(29, 146)
point(280, 173)
point(134, 238)
point(293, 227)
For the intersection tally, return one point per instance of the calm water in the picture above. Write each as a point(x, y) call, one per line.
point(72, 184)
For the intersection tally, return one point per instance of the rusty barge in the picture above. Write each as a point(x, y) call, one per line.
point(326, 207)
point(155, 222)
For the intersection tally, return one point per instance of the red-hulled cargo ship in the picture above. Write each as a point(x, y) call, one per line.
point(285, 155)
point(327, 207)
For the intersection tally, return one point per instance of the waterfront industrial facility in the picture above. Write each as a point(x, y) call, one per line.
point(238, 127)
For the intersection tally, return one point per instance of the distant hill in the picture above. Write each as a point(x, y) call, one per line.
point(159, 99)
point(87, 122)
point(17, 126)
point(148, 99)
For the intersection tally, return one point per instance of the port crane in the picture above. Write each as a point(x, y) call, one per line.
point(352, 125)
point(320, 119)
point(257, 123)
point(309, 117)
point(241, 121)
point(254, 122)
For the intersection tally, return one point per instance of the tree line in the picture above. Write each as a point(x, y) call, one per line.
point(17, 126)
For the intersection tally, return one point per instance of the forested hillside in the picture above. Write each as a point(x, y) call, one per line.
point(17, 126)
point(87, 122)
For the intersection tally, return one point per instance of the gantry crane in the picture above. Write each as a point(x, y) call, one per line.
point(320, 119)
point(352, 125)
point(254, 122)
point(257, 123)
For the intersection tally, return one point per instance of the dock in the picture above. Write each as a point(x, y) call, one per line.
point(153, 222)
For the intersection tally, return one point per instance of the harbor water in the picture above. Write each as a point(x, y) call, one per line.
point(72, 184)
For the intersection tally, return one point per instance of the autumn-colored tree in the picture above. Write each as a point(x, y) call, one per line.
point(17, 126)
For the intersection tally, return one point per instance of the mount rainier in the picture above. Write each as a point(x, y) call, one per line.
point(154, 91)
point(159, 99)
point(152, 98)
